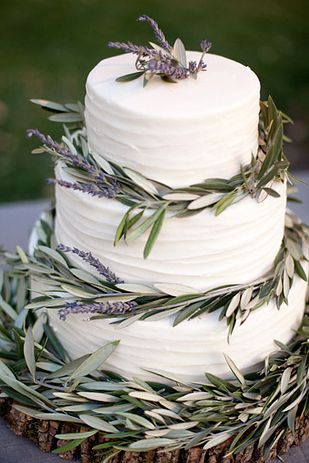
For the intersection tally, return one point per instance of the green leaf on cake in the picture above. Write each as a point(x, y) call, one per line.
point(129, 77)
point(225, 202)
point(29, 352)
point(94, 361)
point(179, 52)
point(141, 181)
point(154, 233)
point(144, 226)
point(300, 271)
point(236, 372)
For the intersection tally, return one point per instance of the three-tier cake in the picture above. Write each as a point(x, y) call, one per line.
point(179, 135)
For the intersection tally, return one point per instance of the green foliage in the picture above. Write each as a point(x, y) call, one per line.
point(149, 200)
point(135, 415)
point(152, 302)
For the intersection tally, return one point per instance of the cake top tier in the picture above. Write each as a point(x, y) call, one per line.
point(175, 133)
point(223, 85)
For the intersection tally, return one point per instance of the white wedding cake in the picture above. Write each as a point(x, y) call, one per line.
point(178, 135)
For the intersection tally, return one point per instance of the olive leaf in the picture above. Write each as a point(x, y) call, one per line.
point(70, 446)
point(141, 181)
point(129, 77)
point(66, 117)
point(29, 352)
point(179, 52)
point(50, 105)
point(98, 423)
point(94, 361)
point(154, 233)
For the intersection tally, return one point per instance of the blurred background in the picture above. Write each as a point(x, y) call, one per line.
point(47, 49)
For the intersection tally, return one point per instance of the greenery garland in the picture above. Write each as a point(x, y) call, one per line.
point(136, 415)
point(70, 289)
point(149, 201)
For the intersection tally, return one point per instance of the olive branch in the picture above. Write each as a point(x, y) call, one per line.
point(150, 202)
point(101, 294)
point(133, 415)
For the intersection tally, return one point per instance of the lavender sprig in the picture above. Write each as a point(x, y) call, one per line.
point(95, 173)
point(167, 62)
point(129, 47)
point(165, 67)
point(106, 272)
point(93, 189)
point(106, 308)
point(63, 152)
point(157, 32)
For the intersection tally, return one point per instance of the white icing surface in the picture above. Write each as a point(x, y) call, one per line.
point(177, 134)
point(202, 251)
point(190, 348)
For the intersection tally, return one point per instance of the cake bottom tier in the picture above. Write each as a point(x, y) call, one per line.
point(191, 348)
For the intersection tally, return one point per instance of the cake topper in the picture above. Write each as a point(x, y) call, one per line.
point(163, 60)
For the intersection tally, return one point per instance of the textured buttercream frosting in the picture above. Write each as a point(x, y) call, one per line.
point(190, 348)
point(187, 350)
point(177, 134)
point(202, 251)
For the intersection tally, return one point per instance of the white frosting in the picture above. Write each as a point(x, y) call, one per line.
point(190, 348)
point(177, 134)
point(202, 251)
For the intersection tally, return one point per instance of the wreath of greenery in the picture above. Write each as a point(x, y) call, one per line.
point(135, 415)
point(149, 201)
point(70, 289)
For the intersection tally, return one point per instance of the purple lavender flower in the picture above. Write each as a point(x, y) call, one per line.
point(157, 32)
point(130, 47)
point(97, 174)
point(165, 66)
point(93, 261)
point(93, 189)
point(106, 308)
point(161, 62)
point(192, 66)
point(205, 45)
point(62, 151)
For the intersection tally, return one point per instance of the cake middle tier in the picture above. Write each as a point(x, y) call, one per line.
point(202, 251)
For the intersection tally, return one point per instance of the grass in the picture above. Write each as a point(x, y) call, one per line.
point(48, 47)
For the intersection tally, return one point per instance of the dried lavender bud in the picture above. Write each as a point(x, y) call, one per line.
point(159, 62)
point(130, 47)
point(166, 67)
point(97, 174)
point(192, 67)
point(157, 32)
point(205, 45)
point(93, 261)
point(106, 308)
point(63, 151)
point(93, 189)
